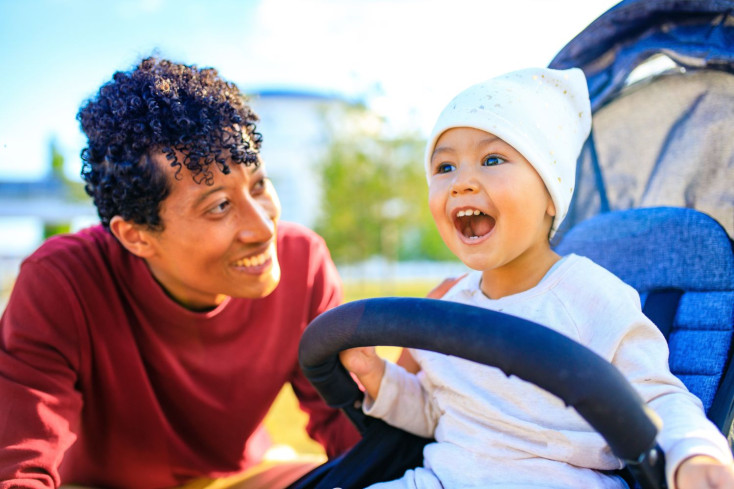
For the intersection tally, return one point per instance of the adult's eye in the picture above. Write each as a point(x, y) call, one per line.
point(492, 160)
point(221, 207)
point(259, 186)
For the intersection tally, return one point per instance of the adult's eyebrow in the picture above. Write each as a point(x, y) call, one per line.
point(253, 169)
point(201, 198)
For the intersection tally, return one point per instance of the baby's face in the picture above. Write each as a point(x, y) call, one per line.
point(489, 204)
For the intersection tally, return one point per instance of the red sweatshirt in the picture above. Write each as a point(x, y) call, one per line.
point(105, 381)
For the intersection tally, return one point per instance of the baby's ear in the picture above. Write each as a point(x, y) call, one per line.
point(134, 237)
point(551, 209)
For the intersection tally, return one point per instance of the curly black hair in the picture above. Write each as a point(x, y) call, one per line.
point(189, 114)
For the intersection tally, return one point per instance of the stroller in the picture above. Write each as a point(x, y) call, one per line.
point(654, 204)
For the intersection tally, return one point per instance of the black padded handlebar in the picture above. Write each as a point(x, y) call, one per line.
point(581, 378)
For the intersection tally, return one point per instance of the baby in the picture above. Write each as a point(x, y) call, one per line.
point(501, 165)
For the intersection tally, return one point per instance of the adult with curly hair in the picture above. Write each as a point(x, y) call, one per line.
point(144, 352)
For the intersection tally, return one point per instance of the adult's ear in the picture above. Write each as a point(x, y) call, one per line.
point(134, 237)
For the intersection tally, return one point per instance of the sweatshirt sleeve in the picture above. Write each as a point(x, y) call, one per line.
point(403, 402)
point(328, 426)
point(39, 361)
point(642, 356)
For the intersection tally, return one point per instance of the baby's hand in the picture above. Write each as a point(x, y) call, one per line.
point(705, 473)
point(366, 365)
point(360, 361)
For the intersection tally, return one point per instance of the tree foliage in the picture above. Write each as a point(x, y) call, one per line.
point(375, 197)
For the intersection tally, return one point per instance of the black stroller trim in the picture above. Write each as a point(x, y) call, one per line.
point(530, 351)
point(609, 48)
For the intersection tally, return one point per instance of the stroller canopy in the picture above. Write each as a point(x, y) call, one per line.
point(661, 82)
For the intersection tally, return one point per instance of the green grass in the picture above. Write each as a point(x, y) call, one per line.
point(408, 288)
point(286, 422)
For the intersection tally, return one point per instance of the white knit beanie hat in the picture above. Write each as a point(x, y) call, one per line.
point(544, 114)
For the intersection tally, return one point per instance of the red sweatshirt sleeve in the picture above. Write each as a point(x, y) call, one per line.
point(331, 428)
point(38, 362)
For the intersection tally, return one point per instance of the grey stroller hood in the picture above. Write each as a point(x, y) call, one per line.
point(661, 82)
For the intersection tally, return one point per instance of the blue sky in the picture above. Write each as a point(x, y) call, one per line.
point(406, 58)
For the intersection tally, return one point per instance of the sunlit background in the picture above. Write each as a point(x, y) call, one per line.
point(403, 58)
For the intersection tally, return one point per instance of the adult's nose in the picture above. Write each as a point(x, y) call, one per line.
point(256, 223)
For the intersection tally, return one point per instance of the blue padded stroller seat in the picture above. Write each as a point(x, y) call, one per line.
point(684, 257)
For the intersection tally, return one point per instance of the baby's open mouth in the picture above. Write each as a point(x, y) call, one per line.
point(473, 223)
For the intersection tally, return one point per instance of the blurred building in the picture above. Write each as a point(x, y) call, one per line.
point(292, 122)
point(46, 200)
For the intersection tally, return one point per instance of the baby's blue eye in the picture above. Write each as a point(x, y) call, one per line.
point(445, 168)
point(492, 160)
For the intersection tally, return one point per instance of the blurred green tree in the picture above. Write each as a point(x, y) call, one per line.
point(375, 197)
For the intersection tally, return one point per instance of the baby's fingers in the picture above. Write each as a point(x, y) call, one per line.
point(705, 473)
point(359, 360)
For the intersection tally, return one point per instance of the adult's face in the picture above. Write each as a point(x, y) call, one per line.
point(217, 240)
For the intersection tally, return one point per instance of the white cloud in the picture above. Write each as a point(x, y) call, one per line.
point(416, 54)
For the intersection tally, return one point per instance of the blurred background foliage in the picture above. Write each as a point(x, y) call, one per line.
point(375, 197)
